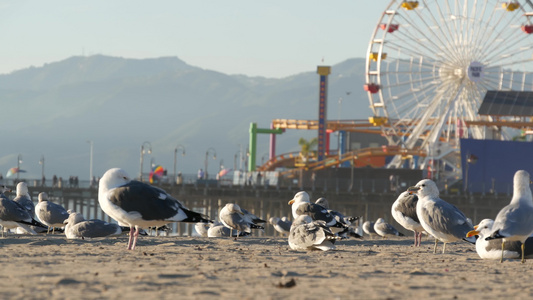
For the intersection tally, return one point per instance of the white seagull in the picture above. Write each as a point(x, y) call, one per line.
point(77, 227)
point(301, 205)
point(140, 205)
point(515, 221)
point(404, 212)
point(439, 218)
point(282, 225)
point(491, 249)
point(308, 234)
point(385, 229)
point(232, 216)
point(23, 198)
point(368, 228)
point(49, 213)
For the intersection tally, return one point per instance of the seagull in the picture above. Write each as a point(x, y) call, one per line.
point(12, 215)
point(404, 212)
point(201, 228)
point(23, 198)
point(219, 230)
point(491, 249)
point(308, 234)
point(368, 228)
point(385, 229)
point(232, 216)
point(347, 221)
point(77, 227)
point(514, 222)
point(51, 214)
point(301, 205)
point(4, 189)
point(439, 218)
point(140, 205)
point(282, 226)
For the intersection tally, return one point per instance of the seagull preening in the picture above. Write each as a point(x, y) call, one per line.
point(514, 222)
point(439, 218)
point(308, 234)
point(404, 212)
point(140, 205)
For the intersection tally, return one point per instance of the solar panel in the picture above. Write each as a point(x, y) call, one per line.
point(507, 103)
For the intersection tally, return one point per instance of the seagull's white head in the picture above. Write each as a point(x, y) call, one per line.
point(300, 197)
point(425, 188)
point(483, 228)
point(232, 207)
point(22, 189)
point(74, 218)
point(43, 196)
point(379, 221)
point(114, 178)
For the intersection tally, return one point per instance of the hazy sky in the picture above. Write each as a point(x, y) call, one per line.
point(258, 38)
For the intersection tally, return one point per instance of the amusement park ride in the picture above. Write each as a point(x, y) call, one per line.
point(429, 66)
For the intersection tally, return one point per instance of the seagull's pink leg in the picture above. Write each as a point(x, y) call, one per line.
point(130, 239)
point(415, 237)
point(135, 237)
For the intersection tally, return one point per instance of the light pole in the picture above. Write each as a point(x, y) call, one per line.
point(207, 159)
point(143, 151)
point(19, 161)
point(41, 162)
point(91, 161)
point(178, 147)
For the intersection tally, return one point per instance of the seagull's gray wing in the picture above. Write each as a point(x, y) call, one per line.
point(446, 218)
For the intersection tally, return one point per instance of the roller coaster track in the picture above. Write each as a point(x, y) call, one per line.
point(294, 160)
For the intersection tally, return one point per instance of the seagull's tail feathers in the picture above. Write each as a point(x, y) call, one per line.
point(194, 217)
point(400, 234)
point(255, 226)
point(34, 222)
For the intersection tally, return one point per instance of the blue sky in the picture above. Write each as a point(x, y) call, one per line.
point(257, 38)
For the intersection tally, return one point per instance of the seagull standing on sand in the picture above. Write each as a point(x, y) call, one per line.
point(233, 217)
point(515, 221)
point(49, 213)
point(77, 227)
point(140, 205)
point(439, 218)
point(308, 234)
point(491, 249)
point(404, 212)
point(385, 229)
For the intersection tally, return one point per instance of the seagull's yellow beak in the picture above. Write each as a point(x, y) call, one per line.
point(291, 202)
point(472, 233)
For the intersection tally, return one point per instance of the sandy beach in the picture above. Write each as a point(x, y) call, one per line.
point(38, 267)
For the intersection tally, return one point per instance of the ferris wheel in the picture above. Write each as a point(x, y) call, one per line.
point(430, 63)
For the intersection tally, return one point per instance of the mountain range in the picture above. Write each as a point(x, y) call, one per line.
point(57, 110)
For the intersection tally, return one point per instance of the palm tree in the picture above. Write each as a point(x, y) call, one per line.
point(307, 147)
